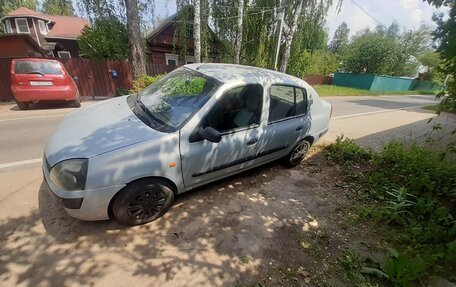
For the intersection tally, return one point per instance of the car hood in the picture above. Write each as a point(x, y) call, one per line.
point(97, 129)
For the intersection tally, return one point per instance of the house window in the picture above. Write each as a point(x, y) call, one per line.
point(22, 25)
point(64, 54)
point(43, 27)
point(189, 31)
point(172, 59)
point(8, 28)
point(189, 60)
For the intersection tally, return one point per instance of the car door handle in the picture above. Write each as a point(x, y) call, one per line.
point(299, 128)
point(252, 141)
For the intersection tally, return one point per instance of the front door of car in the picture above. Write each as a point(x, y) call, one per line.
point(236, 115)
point(287, 122)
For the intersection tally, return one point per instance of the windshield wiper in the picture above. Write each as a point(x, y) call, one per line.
point(145, 110)
point(36, 72)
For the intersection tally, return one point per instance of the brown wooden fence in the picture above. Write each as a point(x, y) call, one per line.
point(318, 80)
point(94, 78)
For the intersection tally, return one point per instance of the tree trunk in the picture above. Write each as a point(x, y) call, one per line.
point(138, 64)
point(238, 44)
point(197, 31)
point(289, 37)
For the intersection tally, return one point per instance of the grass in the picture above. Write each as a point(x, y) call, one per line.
point(437, 108)
point(413, 192)
point(328, 90)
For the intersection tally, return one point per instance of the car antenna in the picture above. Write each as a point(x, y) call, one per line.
point(197, 68)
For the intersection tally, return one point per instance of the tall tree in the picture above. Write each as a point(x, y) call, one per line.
point(340, 39)
point(7, 6)
point(445, 34)
point(289, 31)
point(238, 44)
point(106, 39)
point(197, 31)
point(134, 39)
point(58, 7)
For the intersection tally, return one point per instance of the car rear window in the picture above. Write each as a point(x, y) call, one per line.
point(37, 67)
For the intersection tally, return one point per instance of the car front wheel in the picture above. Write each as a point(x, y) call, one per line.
point(297, 154)
point(142, 201)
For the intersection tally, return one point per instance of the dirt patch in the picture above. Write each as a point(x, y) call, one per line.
point(271, 226)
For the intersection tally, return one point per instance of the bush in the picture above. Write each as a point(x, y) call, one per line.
point(345, 151)
point(144, 81)
point(416, 191)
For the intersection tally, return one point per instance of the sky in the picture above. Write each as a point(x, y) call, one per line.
point(408, 13)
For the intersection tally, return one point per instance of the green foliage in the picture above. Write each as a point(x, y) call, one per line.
point(446, 35)
point(106, 39)
point(144, 81)
point(340, 40)
point(345, 151)
point(371, 53)
point(403, 270)
point(58, 7)
point(387, 51)
point(7, 6)
point(318, 62)
point(415, 191)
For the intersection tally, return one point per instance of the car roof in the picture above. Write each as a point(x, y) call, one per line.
point(226, 73)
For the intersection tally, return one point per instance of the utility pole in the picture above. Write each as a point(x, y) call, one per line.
point(279, 35)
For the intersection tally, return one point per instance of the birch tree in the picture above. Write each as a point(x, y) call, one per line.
point(238, 43)
point(288, 33)
point(134, 39)
point(197, 31)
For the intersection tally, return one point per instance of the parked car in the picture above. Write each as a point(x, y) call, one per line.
point(129, 156)
point(36, 79)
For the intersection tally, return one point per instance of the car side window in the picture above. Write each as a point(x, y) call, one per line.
point(301, 102)
point(238, 108)
point(281, 103)
point(286, 102)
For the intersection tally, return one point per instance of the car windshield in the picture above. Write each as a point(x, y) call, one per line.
point(37, 67)
point(177, 96)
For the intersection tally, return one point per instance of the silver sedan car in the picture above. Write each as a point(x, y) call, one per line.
point(128, 157)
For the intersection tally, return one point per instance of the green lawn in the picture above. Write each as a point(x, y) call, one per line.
point(327, 90)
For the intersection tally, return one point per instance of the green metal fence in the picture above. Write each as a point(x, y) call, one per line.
point(381, 83)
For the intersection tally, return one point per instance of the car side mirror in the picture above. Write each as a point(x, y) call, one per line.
point(75, 78)
point(210, 134)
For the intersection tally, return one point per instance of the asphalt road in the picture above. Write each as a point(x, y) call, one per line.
point(24, 133)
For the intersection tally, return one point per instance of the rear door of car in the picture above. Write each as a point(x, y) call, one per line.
point(286, 122)
point(31, 74)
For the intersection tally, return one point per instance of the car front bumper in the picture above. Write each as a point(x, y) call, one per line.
point(89, 204)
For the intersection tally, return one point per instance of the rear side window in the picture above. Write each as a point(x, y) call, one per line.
point(286, 102)
point(37, 67)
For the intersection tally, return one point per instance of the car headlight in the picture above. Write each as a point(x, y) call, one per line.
point(70, 174)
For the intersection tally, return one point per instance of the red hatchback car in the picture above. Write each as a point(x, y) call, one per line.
point(34, 80)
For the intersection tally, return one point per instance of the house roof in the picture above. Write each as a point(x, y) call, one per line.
point(153, 31)
point(64, 26)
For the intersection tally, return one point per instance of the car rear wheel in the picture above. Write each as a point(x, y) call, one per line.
point(76, 103)
point(23, 105)
point(142, 201)
point(297, 154)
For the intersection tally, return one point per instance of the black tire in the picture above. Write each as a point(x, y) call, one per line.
point(142, 201)
point(76, 103)
point(297, 154)
point(23, 105)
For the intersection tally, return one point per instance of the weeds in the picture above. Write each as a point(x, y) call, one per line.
point(414, 191)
